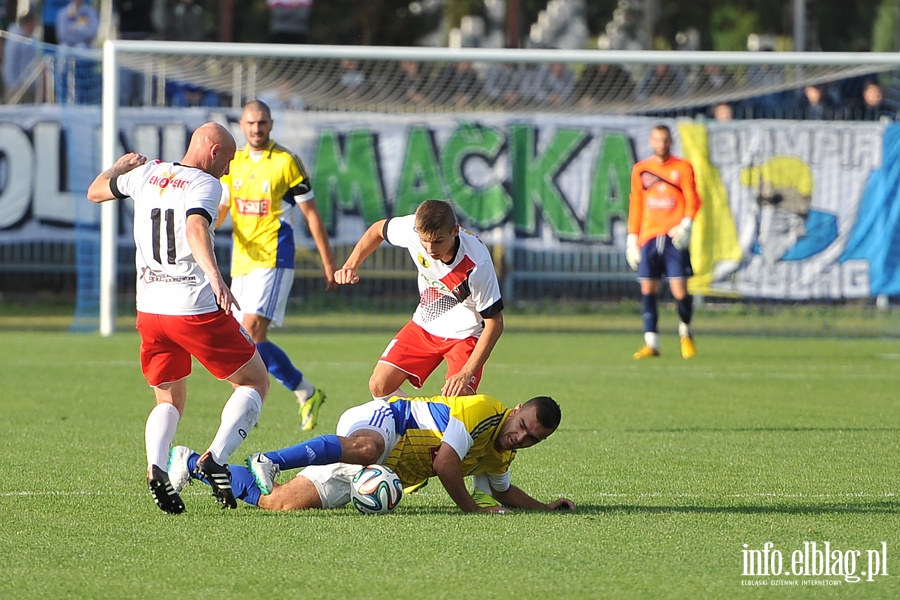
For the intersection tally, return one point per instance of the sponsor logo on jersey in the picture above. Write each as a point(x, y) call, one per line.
point(148, 275)
point(255, 208)
point(166, 180)
point(423, 261)
point(660, 203)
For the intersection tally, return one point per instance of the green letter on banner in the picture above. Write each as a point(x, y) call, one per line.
point(611, 186)
point(420, 178)
point(533, 180)
point(486, 206)
point(351, 178)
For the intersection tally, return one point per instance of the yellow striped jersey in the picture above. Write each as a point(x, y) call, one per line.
point(261, 194)
point(470, 424)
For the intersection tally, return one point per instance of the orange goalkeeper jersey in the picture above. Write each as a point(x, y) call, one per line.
point(662, 193)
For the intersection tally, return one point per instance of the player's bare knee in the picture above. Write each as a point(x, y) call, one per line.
point(362, 447)
point(377, 387)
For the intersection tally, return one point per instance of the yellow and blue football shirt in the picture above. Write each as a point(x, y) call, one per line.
point(261, 194)
point(470, 424)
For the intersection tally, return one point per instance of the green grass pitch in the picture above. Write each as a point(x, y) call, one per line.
point(674, 465)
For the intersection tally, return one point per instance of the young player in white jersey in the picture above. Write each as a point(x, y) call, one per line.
point(184, 304)
point(460, 312)
point(445, 437)
point(265, 182)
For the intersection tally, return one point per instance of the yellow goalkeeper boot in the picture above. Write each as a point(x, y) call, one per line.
point(646, 352)
point(688, 349)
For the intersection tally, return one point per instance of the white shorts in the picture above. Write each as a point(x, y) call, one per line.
point(263, 292)
point(333, 481)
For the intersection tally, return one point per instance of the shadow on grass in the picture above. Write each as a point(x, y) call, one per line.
point(882, 508)
point(761, 429)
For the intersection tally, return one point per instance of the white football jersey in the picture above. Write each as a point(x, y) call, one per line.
point(454, 298)
point(169, 280)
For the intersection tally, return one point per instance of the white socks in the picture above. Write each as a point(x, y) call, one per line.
point(397, 392)
point(683, 330)
point(651, 339)
point(240, 414)
point(159, 433)
point(304, 391)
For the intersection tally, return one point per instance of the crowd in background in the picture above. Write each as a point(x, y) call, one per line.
point(69, 27)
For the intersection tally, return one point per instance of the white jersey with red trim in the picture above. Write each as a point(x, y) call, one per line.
point(454, 298)
point(169, 280)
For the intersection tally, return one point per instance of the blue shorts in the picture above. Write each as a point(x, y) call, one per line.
point(660, 257)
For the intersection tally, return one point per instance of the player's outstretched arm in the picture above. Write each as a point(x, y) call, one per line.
point(457, 384)
point(447, 466)
point(99, 190)
point(366, 245)
point(517, 498)
point(320, 236)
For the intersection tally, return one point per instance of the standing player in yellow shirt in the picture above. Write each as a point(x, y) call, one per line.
point(448, 437)
point(266, 180)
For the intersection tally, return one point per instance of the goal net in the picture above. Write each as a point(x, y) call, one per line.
point(534, 149)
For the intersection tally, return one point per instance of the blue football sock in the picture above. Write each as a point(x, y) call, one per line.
point(243, 484)
point(322, 450)
point(279, 365)
point(650, 313)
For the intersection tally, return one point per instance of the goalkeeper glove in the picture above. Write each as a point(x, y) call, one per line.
point(632, 252)
point(681, 234)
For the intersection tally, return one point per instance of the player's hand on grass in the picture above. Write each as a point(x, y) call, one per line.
point(345, 276)
point(561, 504)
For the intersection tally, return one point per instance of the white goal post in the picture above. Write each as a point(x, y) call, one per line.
point(243, 70)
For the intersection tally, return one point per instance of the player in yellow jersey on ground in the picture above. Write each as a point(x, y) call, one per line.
point(265, 182)
point(448, 437)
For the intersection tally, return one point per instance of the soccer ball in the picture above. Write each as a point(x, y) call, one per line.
point(375, 490)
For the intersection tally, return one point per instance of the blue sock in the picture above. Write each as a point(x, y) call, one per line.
point(650, 314)
point(685, 309)
point(243, 483)
point(279, 365)
point(322, 450)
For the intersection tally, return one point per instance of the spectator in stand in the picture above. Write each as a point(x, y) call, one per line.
point(50, 11)
point(871, 106)
point(19, 58)
point(78, 77)
point(814, 104)
point(458, 83)
point(722, 112)
point(413, 84)
point(135, 23)
point(602, 83)
point(289, 21)
point(661, 83)
point(283, 96)
point(187, 23)
point(552, 85)
point(503, 83)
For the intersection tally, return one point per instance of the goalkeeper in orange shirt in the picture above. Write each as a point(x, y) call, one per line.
point(663, 204)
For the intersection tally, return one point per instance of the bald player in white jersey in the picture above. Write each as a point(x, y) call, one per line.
point(184, 305)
